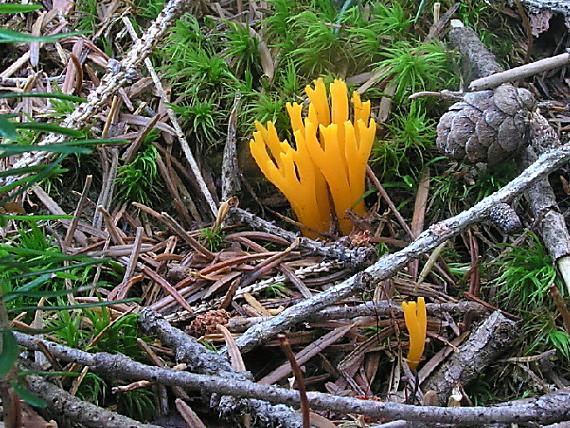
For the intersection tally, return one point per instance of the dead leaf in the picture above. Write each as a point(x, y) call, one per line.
point(267, 63)
point(233, 351)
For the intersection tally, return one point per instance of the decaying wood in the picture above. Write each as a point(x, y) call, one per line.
point(384, 308)
point(549, 408)
point(485, 344)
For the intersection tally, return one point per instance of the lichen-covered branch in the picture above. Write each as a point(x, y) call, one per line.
point(549, 408)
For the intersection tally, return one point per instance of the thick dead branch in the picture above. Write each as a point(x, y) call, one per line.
point(542, 199)
point(549, 408)
point(69, 410)
point(115, 79)
point(391, 263)
point(480, 62)
point(201, 360)
point(490, 339)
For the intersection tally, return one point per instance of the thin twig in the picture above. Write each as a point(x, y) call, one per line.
point(179, 132)
point(299, 379)
point(78, 211)
point(519, 73)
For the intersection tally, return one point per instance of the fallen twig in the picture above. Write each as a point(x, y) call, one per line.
point(64, 407)
point(519, 73)
point(305, 408)
point(354, 257)
point(489, 340)
point(549, 408)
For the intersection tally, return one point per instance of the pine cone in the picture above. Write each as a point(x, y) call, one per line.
point(487, 126)
point(206, 323)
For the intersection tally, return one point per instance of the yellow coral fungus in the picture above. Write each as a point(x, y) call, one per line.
point(331, 152)
point(415, 317)
point(293, 173)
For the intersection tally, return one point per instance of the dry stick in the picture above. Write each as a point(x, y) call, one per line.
point(305, 409)
point(418, 216)
point(179, 132)
point(391, 263)
point(353, 257)
point(63, 407)
point(167, 287)
point(542, 200)
point(78, 211)
point(179, 206)
point(114, 231)
point(519, 73)
point(230, 168)
point(107, 187)
point(132, 150)
point(201, 360)
point(110, 83)
point(305, 355)
point(55, 209)
point(189, 416)
point(373, 309)
point(380, 189)
point(548, 408)
point(561, 306)
point(122, 289)
point(179, 230)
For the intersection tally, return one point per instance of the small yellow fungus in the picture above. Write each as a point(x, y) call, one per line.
point(331, 155)
point(415, 317)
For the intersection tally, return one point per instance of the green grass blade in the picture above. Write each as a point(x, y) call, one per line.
point(36, 217)
point(27, 396)
point(73, 307)
point(7, 129)
point(10, 36)
point(49, 127)
point(38, 282)
point(8, 8)
point(9, 353)
point(52, 95)
point(10, 149)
